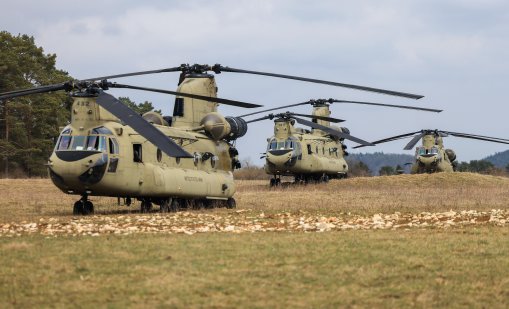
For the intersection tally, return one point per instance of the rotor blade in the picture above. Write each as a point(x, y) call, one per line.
point(189, 95)
point(488, 139)
point(414, 141)
point(261, 118)
point(332, 131)
point(23, 92)
point(318, 81)
point(140, 125)
point(390, 139)
point(175, 69)
point(475, 135)
point(275, 108)
point(335, 120)
point(387, 105)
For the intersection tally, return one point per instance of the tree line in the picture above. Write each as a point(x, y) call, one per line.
point(30, 124)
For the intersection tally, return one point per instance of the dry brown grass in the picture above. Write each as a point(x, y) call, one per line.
point(28, 199)
point(385, 194)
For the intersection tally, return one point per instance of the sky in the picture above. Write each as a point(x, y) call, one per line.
point(454, 52)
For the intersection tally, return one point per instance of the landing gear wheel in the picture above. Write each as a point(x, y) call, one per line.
point(78, 208)
point(165, 206)
point(272, 182)
point(174, 205)
point(325, 178)
point(88, 208)
point(198, 204)
point(278, 181)
point(230, 203)
point(146, 206)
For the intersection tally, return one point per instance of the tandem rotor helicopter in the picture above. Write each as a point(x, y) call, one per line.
point(182, 161)
point(311, 155)
point(432, 156)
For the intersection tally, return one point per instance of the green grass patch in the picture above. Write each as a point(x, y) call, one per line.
point(426, 268)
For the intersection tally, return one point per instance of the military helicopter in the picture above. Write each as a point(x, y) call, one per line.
point(181, 161)
point(315, 155)
point(432, 157)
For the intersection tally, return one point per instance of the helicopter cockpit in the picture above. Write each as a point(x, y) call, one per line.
point(280, 147)
point(98, 141)
point(425, 152)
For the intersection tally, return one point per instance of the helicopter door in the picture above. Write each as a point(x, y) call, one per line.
point(138, 161)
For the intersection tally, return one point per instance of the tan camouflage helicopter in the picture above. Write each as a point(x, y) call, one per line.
point(315, 155)
point(432, 157)
point(181, 161)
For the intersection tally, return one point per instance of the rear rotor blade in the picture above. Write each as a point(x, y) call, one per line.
point(318, 81)
point(188, 95)
point(332, 131)
point(414, 141)
point(140, 125)
point(475, 135)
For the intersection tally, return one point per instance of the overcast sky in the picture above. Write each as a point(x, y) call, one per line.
point(454, 52)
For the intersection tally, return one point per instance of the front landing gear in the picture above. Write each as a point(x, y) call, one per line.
point(83, 207)
point(276, 181)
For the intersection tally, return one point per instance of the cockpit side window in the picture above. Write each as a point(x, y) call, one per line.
point(273, 145)
point(114, 149)
point(96, 143)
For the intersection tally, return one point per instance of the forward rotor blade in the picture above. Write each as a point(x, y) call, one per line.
point(335, 120)
point(488, 139)
point(23, 92)
point(332, 131)
point(140, 125)
point(189, 95)
point(175, 69)
point(414, 141)
point(318, 81)
point(275, 108)
point(390, 139)
point(387, 105)
point(475, 135)
point(261, 118)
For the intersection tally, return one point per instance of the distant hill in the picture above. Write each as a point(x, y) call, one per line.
point(378, 159)
point(499, 159)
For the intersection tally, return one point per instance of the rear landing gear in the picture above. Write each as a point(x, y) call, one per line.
point(146, 206)
point(275, 181)
point(83, 207)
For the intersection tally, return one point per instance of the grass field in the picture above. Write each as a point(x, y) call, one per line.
point(458, 265)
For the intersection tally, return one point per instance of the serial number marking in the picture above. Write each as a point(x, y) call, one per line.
point(195, 179)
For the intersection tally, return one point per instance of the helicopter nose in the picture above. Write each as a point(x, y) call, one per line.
point(279, 157)
point(73, 171)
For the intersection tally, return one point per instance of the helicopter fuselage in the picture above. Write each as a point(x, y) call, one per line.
point(97, 155)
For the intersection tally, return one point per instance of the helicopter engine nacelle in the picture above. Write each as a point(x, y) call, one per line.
point(155, 118)
point(219, 127)
point(450, 153)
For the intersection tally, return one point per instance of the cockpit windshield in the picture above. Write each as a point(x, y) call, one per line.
point(422, 151)
point(82, 143)
point(281, 145)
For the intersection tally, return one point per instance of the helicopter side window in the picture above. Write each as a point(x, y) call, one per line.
point(309, 149)
point(137, 153)
point(66, 131)
point(289, 144)
point(114, 149)
point(64, 143)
